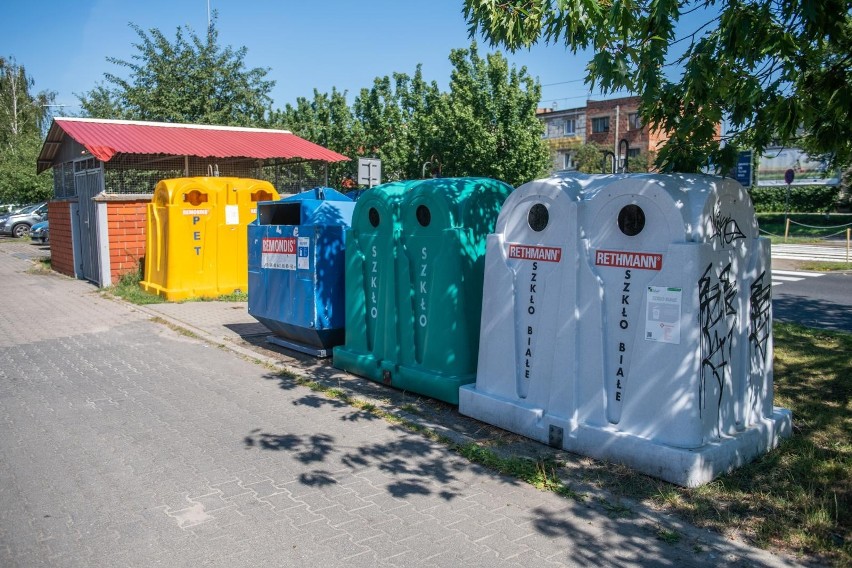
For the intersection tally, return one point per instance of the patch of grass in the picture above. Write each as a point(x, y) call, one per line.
point(176, 328)
point(797, 498)
point(776, 240)
point(40, 265)
point(668, 536)
point(234, 297)
point(237, 296)
point(128, 289)
point(538, 473)
point(804, 227)
point(615, 509)
point(820, 266)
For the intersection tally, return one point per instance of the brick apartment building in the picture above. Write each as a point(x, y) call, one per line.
point(603, 122)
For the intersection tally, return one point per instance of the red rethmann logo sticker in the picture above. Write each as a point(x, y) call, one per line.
point(529, 252)
point(621, 259)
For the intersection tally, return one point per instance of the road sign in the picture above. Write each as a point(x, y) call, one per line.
point(369, 171)
point(743, 172)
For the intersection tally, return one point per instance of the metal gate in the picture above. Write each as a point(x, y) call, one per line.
point(88, 184)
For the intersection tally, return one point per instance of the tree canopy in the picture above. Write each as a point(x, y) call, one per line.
point(188, 80)
point(23, 118)
point(776, 71)
point(485, 125)
point(489, 126)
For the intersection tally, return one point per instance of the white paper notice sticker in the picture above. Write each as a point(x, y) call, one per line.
point(304, 262)
point(663, 319)
point(232, 214)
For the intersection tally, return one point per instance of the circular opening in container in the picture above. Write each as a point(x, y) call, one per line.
point(424, 216)
point(631, 220)
point(538, 217)
point(373, 215)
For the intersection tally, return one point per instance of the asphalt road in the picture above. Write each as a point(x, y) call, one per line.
point(824, 302)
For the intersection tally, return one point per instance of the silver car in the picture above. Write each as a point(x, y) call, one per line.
point(18, 223)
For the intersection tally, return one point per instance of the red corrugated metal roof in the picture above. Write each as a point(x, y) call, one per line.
point(106, 138)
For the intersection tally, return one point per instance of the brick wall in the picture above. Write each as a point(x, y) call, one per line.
point(126, 228)
point(61, 242)
point(636, 138)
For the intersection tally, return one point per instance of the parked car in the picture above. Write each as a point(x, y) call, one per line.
point(19, 222)
point(40, 232)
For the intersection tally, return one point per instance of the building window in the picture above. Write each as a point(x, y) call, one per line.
point(600, 124)
point(634, 152)
point(552, 129)
point(633, 122)
point(568, 161)
point(570, 127)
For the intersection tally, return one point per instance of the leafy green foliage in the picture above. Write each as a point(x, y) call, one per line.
point(484, 126)
point(489, 127)
point(382, 118)
point(803, 199)
point(326, 120)
point(771, 69)
point(23, 116)
point(590, 158)
point(188, 80)
point(128, 289)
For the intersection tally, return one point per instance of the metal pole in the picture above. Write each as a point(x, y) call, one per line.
point(848, 230)
point(615, 141)
point(786, 229)
point(787, 207)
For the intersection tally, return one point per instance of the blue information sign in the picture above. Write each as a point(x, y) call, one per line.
point(743, 173)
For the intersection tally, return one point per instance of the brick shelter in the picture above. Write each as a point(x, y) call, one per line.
point(61, 251)
point(104, 173)
point(126, 220)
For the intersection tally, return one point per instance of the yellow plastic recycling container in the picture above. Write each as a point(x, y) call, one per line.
point(196, 235)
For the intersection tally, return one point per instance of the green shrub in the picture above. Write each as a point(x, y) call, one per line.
point(803, 198)
point(129, 289)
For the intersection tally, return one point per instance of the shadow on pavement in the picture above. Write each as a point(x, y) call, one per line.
point(812, 313)
point(249, 330)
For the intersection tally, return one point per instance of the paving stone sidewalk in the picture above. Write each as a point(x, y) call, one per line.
point(125, 443)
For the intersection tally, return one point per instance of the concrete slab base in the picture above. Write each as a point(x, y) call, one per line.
point(681, 466)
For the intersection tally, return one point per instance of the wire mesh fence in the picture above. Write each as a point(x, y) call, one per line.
point(139, 174)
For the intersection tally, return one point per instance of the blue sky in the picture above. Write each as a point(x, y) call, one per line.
point(306, 45)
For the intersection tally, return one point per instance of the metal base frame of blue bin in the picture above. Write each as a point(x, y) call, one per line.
point(319, 352)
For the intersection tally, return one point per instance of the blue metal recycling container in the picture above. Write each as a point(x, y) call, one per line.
point(296, 251)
